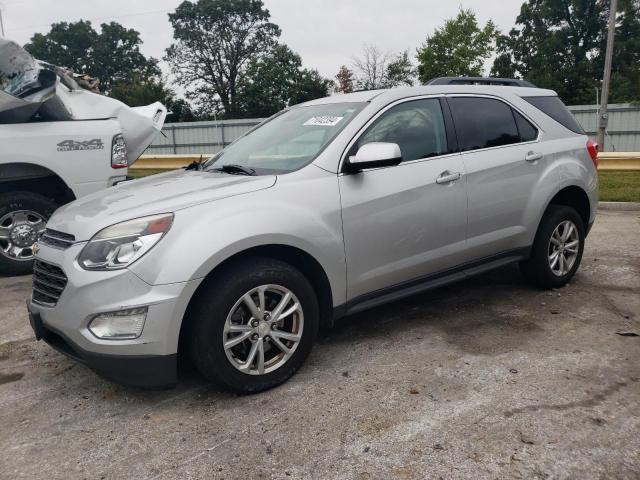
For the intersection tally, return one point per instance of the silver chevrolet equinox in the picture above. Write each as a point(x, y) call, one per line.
point(328, 208)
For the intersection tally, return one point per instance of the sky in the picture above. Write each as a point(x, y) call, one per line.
point(326, 33)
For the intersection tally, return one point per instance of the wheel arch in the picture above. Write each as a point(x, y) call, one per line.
point(296, 257)
point(29, 177)
point(575, 197)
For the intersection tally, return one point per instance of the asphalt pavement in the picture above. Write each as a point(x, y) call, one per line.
point(486, 378)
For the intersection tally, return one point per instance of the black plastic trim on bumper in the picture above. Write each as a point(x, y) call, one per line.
point(147, 371)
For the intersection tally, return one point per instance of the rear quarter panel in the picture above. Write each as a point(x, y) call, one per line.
point(567, 164)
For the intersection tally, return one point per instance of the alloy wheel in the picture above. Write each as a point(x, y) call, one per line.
point(563, 249)
point(263, 329)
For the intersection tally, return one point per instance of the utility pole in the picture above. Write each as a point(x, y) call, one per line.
point(1, 23)
point(603, 119)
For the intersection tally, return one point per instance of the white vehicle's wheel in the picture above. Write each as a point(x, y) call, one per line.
point(23, 216)
point(253, 325)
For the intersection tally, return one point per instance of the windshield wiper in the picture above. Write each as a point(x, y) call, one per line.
point(235, 169)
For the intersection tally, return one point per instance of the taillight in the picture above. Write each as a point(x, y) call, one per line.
point(119, 152)
point(592, 148)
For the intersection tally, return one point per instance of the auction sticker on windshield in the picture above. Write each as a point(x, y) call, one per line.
point(326, 121)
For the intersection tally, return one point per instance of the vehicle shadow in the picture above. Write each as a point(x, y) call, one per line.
point(494, 303)
point(485, 315)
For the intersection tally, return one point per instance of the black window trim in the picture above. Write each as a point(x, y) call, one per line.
point(449, 131)
point(509, 104)
point(515, 119)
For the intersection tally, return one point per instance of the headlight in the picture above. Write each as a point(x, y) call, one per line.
point(119, 152)
point(118, 246)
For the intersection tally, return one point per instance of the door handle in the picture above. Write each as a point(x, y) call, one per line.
point(533, 156)
point(447, 177)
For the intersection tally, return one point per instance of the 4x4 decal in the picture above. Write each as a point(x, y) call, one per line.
point(68, 145)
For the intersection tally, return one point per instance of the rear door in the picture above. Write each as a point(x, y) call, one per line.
point(407, 221)
point(503, 162)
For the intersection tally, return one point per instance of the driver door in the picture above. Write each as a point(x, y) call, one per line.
point(404, 223)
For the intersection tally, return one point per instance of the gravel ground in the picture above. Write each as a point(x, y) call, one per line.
point(483, 379)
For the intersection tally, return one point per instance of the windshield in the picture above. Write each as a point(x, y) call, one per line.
point(287, 142)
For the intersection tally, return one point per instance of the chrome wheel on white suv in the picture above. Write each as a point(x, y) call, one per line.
point(23, 216)
point(19, 231)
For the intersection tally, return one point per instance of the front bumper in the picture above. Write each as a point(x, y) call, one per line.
point(150, 371)
point(147, 361)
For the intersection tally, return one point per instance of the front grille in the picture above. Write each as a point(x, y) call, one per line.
point(56, 239)
point(48, 283)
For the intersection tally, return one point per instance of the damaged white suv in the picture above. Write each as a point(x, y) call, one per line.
point(59, 142)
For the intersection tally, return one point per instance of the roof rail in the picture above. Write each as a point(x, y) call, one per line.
point(507, 82)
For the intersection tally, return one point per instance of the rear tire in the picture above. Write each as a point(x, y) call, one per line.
point(22, 217)
point(221, 315)
point(555, 259)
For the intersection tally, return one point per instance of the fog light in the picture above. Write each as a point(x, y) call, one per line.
point(120, 325)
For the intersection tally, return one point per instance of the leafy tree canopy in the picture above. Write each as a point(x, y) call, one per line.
point(141, 92)
point(400, 70)
point(459, 48)
point(276, 81)
point(344, 79)
point(215, 40)
point(113, 55)
point(560, 44)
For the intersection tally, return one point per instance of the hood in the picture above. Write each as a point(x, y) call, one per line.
point(163, 193)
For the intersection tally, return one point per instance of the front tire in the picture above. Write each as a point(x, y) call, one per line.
point(557, 249)
point(23, 216)
point(253, 325)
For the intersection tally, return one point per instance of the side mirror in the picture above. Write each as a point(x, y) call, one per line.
point(374, 155)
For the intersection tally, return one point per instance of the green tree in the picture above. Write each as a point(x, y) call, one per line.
point(276, 81)
point(344, 80)
point(553, 45)
point(625, 75)
point(459, 48)
point(68, 45)
point(141, 92)
point(400, 71)
point(560, 44)
point(118, 58)
point(214, 42)
point(113, 55)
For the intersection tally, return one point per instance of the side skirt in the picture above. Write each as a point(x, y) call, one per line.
point(429, 282)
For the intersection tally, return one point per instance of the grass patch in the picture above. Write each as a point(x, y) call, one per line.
point(619, 186)
point(143, 172)
point(615, 186)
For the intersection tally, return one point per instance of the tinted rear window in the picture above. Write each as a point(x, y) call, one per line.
point(554, 107)
point(483, 123)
